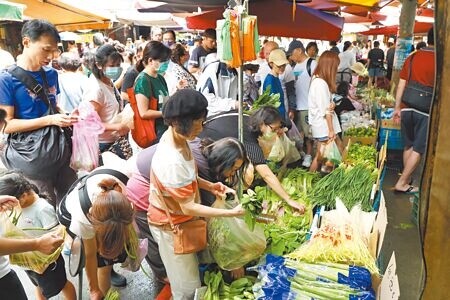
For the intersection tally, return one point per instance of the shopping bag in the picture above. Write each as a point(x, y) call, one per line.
point(331, 157)
point(32, 260)
point(231, 242)
point(85, 149)
point(133, 264)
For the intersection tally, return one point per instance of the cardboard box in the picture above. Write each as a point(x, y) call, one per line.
point(389, 124)
point(378, 230)
point(363, 140)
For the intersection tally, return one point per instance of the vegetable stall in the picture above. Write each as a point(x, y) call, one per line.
point(329, 252)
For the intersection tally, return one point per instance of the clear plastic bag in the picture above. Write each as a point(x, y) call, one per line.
point(134, 264)
point(331, 157)
point(295, 136)
point(85, 149)
point(231, 242)
point(31, 260)
point(279, 149)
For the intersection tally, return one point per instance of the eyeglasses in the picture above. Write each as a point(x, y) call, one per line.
point(278, 128)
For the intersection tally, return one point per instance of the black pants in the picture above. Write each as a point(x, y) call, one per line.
point(153, 258)
point(11, 288)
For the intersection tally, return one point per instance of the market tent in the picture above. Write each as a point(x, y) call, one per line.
point(166, 20)
point(11, 11)
point(419, 27)
point(64, 16)
point(309, 23)
point(366, 3)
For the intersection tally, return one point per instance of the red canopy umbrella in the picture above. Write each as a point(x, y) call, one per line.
point(419, 27)
point(275, 19)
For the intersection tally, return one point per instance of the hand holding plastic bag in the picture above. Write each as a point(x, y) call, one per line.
point(331, 157)
point(31, 260)
point(231, 242)
point(85, 148)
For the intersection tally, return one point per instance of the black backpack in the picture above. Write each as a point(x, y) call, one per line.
point(64, 217)
point(308, 66)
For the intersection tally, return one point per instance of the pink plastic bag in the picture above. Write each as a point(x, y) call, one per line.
point(85, 148)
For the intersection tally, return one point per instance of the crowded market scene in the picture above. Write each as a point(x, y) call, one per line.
point(224, 149)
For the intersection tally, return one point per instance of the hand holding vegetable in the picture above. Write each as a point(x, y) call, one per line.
point(7, 202)
point(49, 242)
point(238, 210)
point(298, 206)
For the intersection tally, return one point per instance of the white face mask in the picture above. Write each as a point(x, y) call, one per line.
point(269, 135)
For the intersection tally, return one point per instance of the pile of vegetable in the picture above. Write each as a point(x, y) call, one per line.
point(296, 182)
point(287, 233)
point(217, 288)
point(361, 155)
point(281, 278)
point(361, 132)
point(265, 99)
point(351, 184)
point(376, 96)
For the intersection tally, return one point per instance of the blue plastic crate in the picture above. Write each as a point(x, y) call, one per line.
point(394, 141)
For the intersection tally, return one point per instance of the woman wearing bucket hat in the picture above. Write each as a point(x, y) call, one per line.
point(277, 63)
point(174, 188)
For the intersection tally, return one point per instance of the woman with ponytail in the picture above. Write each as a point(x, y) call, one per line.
point(107, 230)
point(150, 87)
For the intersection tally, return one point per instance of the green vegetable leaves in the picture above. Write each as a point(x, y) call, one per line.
point(252, 206)
point(266, 99)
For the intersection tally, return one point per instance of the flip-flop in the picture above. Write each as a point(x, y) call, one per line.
point(408, 191)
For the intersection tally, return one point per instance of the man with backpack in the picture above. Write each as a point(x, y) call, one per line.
point(36, 144)
point(303, 70)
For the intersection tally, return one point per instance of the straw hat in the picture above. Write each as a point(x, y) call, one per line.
point(359, 69)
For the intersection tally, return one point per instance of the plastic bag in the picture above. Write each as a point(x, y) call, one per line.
point(231, 242)
point(295, 135)
point(331, 157)
point(134, 264)
point(279, 148)
point(85, 149)
point(31, 260)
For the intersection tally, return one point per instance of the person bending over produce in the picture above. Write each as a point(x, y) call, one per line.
point(322, 118)
point(265, 121)
point(37, 213)
point(216, 161)
point(174, 185)
point(106, 230)
point(10, 285)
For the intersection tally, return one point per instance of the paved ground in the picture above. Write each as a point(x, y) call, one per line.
point(402, 236)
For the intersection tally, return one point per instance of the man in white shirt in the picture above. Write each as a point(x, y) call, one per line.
point(303, 71)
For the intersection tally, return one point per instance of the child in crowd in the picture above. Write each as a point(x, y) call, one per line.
point(277, 63)
point(38, 213)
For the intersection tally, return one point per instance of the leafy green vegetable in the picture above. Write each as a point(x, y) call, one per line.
point(361, 155)
point(265, 99)
point(352, 184)
point(361, 132)
point(252, 206)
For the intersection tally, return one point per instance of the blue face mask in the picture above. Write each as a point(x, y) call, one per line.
point(163, 67)
point(113, 73)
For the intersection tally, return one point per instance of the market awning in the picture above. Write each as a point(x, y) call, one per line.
point(309, 23)
point(64, 16)
point(419, 27)
point(11, 11)
point(166, 20)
